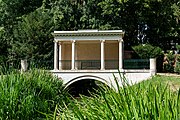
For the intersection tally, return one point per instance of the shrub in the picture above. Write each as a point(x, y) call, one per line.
point(178, 47)
point(178, 58)
point(3, 66)
point(171, 57)
point(147, 51)
point(168, 67)
point(169, 62)
point(23, 96)
point(177, 67)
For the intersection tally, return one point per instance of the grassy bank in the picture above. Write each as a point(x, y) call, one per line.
point(24, 96)
point(152, 99)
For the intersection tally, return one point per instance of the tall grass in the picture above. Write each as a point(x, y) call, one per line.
point(139, 102)
point(25, 96)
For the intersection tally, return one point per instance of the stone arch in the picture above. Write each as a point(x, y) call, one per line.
point(88, 77)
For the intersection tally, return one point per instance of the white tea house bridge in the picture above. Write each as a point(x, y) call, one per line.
point(97, 55)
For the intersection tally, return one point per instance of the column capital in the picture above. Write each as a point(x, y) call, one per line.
point(55, 41)
point(120, 40)
point(73, 41)
point(102, 41)
point(60, 43)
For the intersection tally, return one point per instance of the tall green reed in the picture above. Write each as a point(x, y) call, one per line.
point(145, 100)
point(24, 96)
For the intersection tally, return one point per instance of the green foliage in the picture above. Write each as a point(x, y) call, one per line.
point(168, 67)
point(24, 96)
point(33, 37)
point(169, 64)
point(3, 47)
point(3, 44)
point(178, 47)
point(74, 15)
point(177, 67)
point(63, 17)
point(147, 51)
point(27, 24)
point(11, 12)
point(147, 100)
point(170, 56)
point(176, 10)
point(91, 15)
point(157, 14)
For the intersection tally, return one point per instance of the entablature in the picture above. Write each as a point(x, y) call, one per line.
point(88, 35)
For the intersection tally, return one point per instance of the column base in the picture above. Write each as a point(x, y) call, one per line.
point(102, 69)
point(55, 69)
point(121, 70)
point(153, 72)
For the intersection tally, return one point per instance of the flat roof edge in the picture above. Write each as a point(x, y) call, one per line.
point(88, 31)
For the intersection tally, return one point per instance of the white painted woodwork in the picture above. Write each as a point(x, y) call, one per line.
point(55, 55)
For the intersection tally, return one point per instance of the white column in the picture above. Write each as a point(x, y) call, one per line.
point(24, 65)
point(55, 55)
point(152, 66)
point(73, 56)
point(102, 55)
point(76, 55)
point(60, 56)
point(120, 54)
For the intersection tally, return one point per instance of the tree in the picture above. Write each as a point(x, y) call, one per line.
point(176, 12)
point(11, 12)
point(91, 15)
point(27, 24)
point(33, 39)
point(77, 14)
point(62, 14)
point(127, 14)
point(3, 46)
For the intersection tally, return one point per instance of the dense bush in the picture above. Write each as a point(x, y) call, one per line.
point(8, 66)
point(24, 96)
point(178, 47)
point(168, 67)
point(169, 62)
point(147, 51)
point(177, 67)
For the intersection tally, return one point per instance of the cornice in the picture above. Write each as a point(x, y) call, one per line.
point(89, 33)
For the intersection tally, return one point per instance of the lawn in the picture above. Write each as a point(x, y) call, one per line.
point(173, 81)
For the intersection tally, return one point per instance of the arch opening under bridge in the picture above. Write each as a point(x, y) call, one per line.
point(86, 85)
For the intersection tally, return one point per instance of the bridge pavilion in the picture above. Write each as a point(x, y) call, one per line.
point(88, 50)
point(93, 54)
